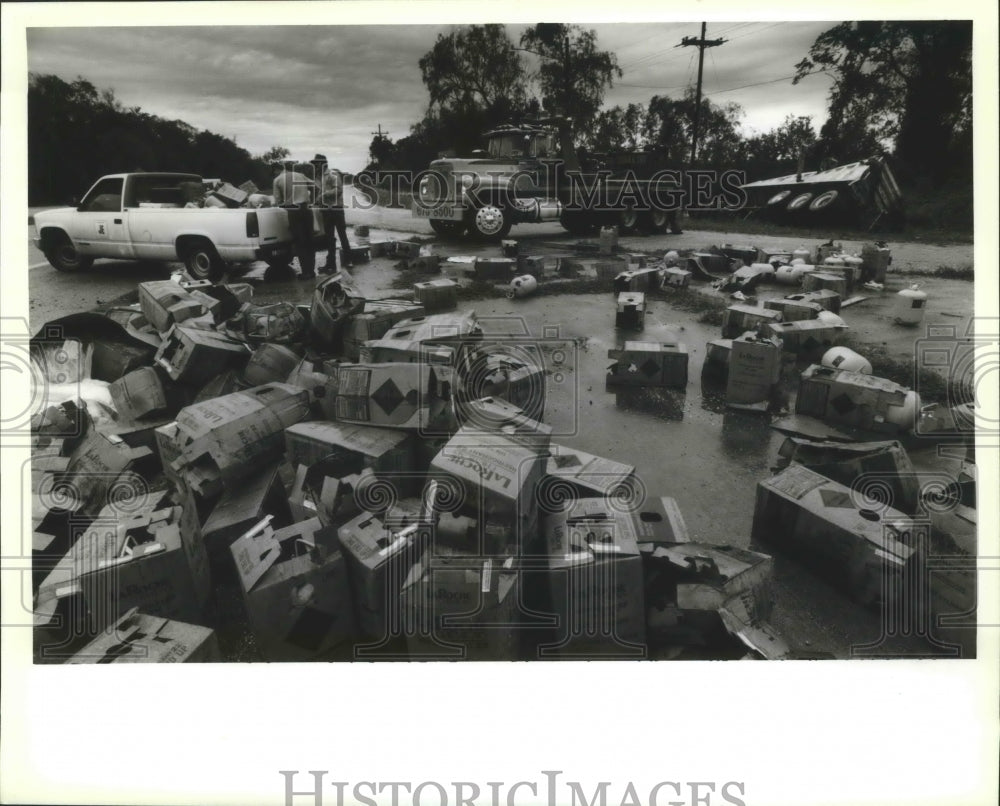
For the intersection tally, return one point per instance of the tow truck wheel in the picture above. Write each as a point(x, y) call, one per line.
point(628, 221)
point(490, 222)
point(653, 222)
point(202, 261)
point(63, 256)
point(447, 229)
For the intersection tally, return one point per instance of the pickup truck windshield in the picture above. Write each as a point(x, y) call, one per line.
point(104, 197)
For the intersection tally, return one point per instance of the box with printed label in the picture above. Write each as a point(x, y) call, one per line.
point(854, 399)
point(221, 441)
point(595, 583)
point(754, 370)
point(582, 475)
point(100, 466)
point(494, 414)
point(437, 295)
point(296, 591)
point(821, 280)
point(645, 363)
point(242, 506)
point(392, 395)
point(431, 338)
point(164, 304)
point(142, 393)
point(738, 319)
point(491, 370)
point(386, 450)
point(826, 299)
point(461, 607)
point(498, 478)
point(810, 337)
point(140, 638)
point(379, 558)
point(869, 551)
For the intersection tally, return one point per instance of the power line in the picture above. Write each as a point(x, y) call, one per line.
point(701, 44)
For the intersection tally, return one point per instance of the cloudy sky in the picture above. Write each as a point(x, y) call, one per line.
point(327, 88)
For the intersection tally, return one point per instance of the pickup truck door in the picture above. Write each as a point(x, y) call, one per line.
point(98, 228)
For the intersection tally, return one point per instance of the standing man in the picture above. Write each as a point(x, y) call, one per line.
point(331, 200)
point(294, 192)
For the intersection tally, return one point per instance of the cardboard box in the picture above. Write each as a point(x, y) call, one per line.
point(425, 264)
point(230, 195)
point(458, 607)
point(140, 638)
point(792, 310)
point(495, 269)
point(821, 280)
point(877, 258)
point(498, 476)
point(142, 393)
point(270, 363)
point(224, 440)
point(241, 507)
point(437, 295)
point(374, 321)
point(828, 300)
point(718, 352)
point(356, 254)
point(196, 356)
point(296, 591)
point(384, 450)
point(808, 338)
point(112, 359)
point(896, 483)
point(379, 559)
point(584, 475)
point(394, 395)
point(120, 562)
point(406, 249)
point(631, 310)
point(819, 520)
point(738, 319)
point(645, 280)
point(644, 363)
point(279, 322)
point(335, 299)
point(225, 384)
point(164, 304)
point(495, 414)
point(429, 339)
point(494, 370)
point(98, 465)
point(676, 278)
point(754, 371)
point(595, 583)
point(334, 495)
point(852, 399)
point(609, 269)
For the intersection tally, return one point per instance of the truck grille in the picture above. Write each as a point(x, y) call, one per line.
point(436, 185)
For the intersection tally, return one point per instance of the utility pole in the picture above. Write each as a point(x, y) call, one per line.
point(701, 44)
point(380, 134)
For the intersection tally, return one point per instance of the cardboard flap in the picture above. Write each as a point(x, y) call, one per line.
point(255, 552)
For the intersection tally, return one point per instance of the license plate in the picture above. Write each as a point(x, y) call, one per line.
point(446, 211)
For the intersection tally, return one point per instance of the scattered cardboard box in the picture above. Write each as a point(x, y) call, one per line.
point(807, 338)
point(377, 317)
point(437, 295)
point(196, 356)
point(241, 507)
point(631, 310)
point(853, 399)
point(828, 300)
point(140, 638)
point(392, 395)
point(295, 590)
point(792, 310)
point(738, 319)
point(270, 363)
point(643, 363)
point(754, 371)
point(142, 393)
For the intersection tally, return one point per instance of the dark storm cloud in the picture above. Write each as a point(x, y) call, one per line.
point(326, 88)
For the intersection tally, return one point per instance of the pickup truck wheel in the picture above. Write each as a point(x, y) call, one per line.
point(653, 222)
point(447, 229)
point(628, 221)
point(202, 261)
point(490, 222)
point(63, 256)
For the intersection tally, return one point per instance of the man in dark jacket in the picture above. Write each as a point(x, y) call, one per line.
point(294, 191)
point(331, 202)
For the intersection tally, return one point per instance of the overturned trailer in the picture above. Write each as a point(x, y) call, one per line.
point(864, 193)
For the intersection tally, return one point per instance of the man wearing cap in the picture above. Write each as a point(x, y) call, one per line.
point(331, 200)
point(293, 190)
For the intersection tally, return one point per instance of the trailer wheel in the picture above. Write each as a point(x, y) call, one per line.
point(799, 201)
point(778, 198)
point(824, 200)
point(577, 222)
point(628, 221)
point(653, 222)
point(447, 229)
point(63, 256)
point(201, 260)
point(490, 222)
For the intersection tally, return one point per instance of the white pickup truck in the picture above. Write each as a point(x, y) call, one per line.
point(142, 216)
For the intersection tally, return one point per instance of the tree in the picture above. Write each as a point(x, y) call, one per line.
point(475, 68)
point(777, 152)
point(274, 154)
point(573, 73)
point(617, 129)
point(907, 84)
point(668, 130)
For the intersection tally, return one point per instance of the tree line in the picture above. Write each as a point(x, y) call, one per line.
point(77, 133)
point(903, 89)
